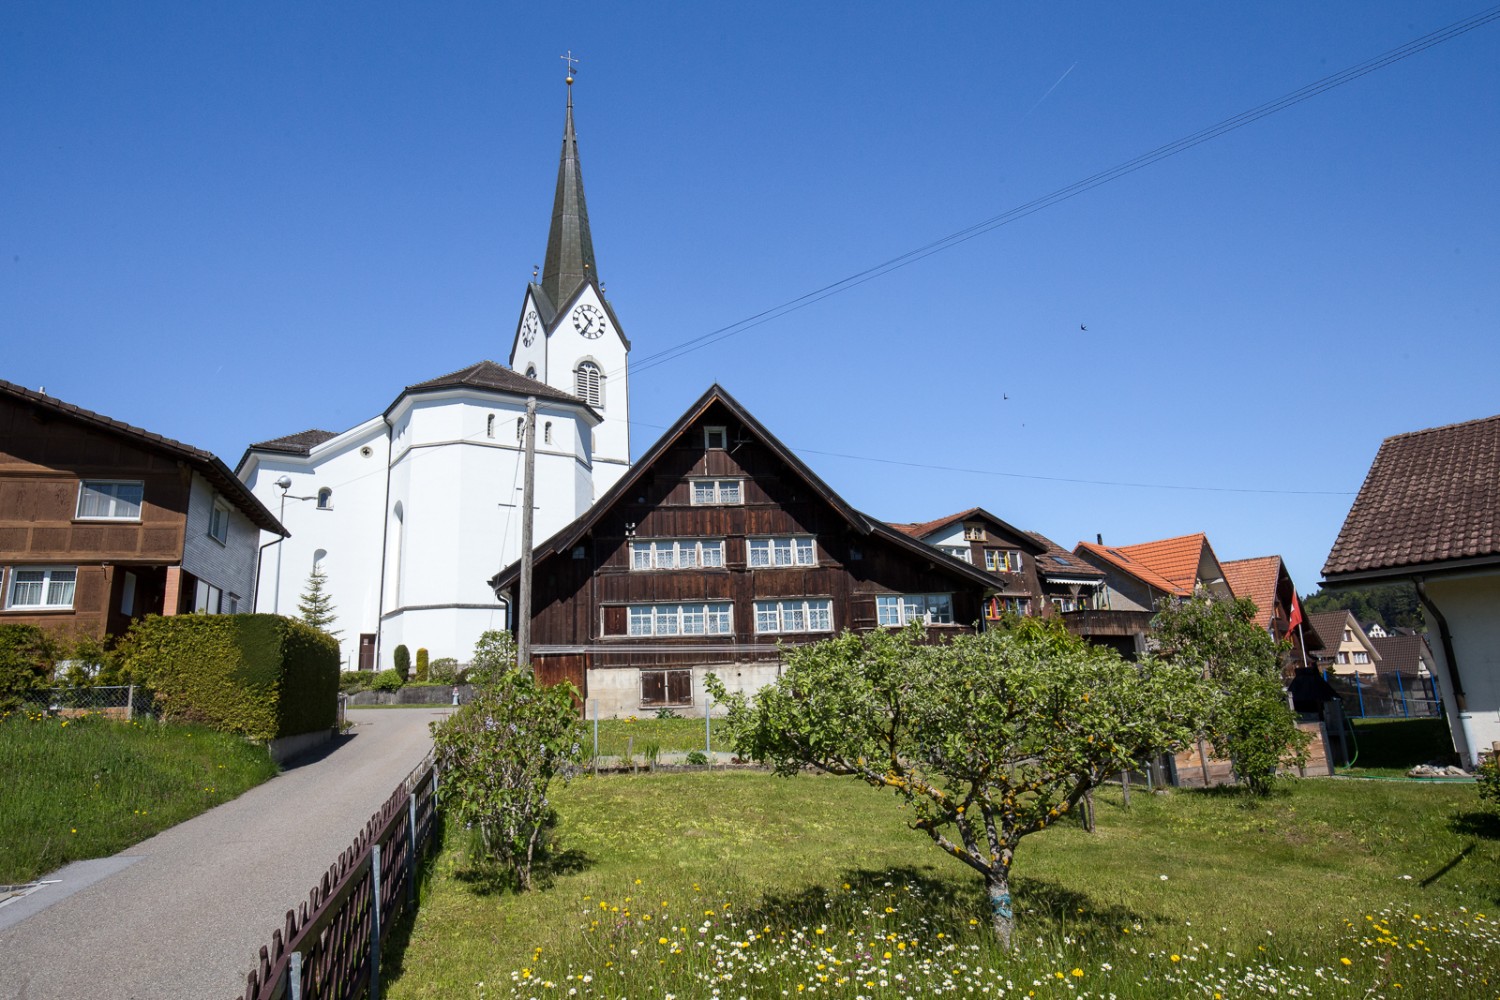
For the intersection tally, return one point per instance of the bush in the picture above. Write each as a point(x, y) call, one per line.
point(27, 655)
point(388, 680)
point(443, 671)
point(697, 757)
point(402, 656)
point(498, 754)
point(263, 676)
point(422, 665)
point(351, 681)
point(494, 656)
point(1487, 777)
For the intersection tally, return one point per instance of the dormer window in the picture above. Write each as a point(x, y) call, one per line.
point(973, 532)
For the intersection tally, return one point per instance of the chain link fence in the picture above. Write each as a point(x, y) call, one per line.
point(114, 702)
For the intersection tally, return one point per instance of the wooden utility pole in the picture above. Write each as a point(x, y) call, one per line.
point(523, 604)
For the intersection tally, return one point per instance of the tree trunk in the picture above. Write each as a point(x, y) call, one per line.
point(1002, 916)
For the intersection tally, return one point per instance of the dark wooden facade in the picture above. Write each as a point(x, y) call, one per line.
point(584, 583)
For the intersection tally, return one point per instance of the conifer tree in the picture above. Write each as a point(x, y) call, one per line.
point(315, 606)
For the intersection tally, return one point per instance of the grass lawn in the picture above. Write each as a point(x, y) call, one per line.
point(742, 884)
point(88, 787)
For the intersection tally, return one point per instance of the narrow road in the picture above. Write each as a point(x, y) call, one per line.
point(183, 915)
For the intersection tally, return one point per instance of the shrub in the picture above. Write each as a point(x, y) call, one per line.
point(494, 656)
point(263, 676)
point(27, 655)
point(387, 680)
point(697, 757)
point(351, 681)
point(498, 754)
point(402, 656)
point(665, 713)
point(443, 670)
point(1487, 777)
point(422, 666)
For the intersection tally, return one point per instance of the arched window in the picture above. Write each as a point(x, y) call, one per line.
point(589, 382)
point(547, 432)
point(489, 426)
point(325, 499)
point(531, 371)
point(319, 556)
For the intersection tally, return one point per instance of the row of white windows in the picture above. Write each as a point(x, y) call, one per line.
point(120, 500)
point(790, 550)
point(51, 588)
point(995, 560)
point(797, 614)
point(1360, 657)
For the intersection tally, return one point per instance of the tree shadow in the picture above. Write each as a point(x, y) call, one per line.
point(1476, 823)
point(393, 951)
point(486, 877)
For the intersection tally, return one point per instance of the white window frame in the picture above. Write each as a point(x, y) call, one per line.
point(794, 614)
point(688, 618)
point(1003, 560)
point(207, 599)
point(649, 554)
point(109, 490)
point(325, 496)
point(896, 610)
point(1361, 657)
point(218, 522)
point(962, 552)
point(588, 383)
point(49, 597)
point(974, 533)
point(781, 551)
point(719, 491)
point(712, 432)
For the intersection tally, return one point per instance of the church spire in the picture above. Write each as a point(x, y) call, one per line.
point(570, 248)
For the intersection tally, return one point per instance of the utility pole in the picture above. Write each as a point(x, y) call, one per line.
point(523, 605)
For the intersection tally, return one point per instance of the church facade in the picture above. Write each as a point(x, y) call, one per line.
point(409, 512)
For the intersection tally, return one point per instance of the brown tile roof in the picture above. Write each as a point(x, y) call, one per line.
point(205, 462)
point(1400, 653)
point(1330, 627)
point(1058, 561)
point(1117, 558)
point(922, 529)
point(489, 375)
point(295, 444)
point(1431, 496)
point(1176, 559)
point(919, 529)
point(1255, 579)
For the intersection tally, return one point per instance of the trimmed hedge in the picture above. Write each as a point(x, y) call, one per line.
point(260, 675)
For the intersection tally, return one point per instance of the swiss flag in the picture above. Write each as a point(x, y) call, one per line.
point(1296, 617)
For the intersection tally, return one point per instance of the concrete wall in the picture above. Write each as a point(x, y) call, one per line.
point(1471, 606)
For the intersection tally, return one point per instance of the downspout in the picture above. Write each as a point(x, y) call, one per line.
point(1445, 636)
point(385, 535)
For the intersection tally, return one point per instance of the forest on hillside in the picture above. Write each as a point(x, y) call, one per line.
point(1393, 605)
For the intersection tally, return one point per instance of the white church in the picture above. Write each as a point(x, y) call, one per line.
point(408, 513)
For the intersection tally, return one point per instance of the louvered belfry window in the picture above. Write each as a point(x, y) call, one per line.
point(589, 382)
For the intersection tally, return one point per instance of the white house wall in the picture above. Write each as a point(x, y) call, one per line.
point(228, 565)
point(1471, 607)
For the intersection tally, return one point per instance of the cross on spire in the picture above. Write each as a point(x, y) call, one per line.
point(572, 61)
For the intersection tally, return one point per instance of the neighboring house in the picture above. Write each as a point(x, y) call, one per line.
point(1005, 552)
point(1068, 583)
point(1407, 655)
point(102, 522)
point(717, 547)
point(1265, 581)
point(1346, 647)
point(1429, 512)
point(1374, 630)
point(410, 511)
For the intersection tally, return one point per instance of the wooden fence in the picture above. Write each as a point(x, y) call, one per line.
point(330, 946)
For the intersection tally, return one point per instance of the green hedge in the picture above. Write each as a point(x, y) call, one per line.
point(26, 658)
point(260, 675)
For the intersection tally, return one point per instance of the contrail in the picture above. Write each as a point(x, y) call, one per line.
point(1050, 90)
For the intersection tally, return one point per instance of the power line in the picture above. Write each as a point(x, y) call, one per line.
point(1062, 194)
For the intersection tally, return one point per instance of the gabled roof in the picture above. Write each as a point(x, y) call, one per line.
point(1430, 500)
point(205, 463)
point(1057, 561)
point(922, 529)
point(295, 444)
point(1330, 627)
point(1176, 559)
point(568, 537)
point(1401, 653)
point(1256, 579)
point(1145, 574)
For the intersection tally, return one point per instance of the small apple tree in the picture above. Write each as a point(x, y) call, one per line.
point(989, 737)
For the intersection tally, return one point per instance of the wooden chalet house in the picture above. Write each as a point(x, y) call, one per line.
point(718, 545)
point(1007, 553)
point(1265, 581)
point(102, 522)
point(1068, 583)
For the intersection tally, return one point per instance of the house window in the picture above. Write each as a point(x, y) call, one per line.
point(207, 598)
point(902, 609)
point(962, 552)
point(103, 500)
point(678, 554)
point(589, 383)
point(232, 604)
point(41, 587)
point(795, 615)
point(715, 438)
point(1343, 657)
point(325, 499)
point(1361, 657)
point(793, 551)
point(1002, 560)
point(998, 607)
point(973, 533)
point(127, 594)
point(1348, 635)
point(218, 523)
point(666, 687)
point(679, 619)
point(489, 426)
point(710, 492)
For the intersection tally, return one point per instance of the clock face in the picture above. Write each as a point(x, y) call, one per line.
point(589, 320)
point(529, 327)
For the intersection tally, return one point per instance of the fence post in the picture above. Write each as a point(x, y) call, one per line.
point(1402, 689)
point(411, 848)
point(294, 977)
point(130, 703)
point(1360, 690)
point(708, 735)
point(596, 734)
point(375, 922)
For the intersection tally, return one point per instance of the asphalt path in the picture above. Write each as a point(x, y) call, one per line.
point(184, 914)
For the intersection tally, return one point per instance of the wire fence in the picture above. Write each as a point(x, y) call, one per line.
point(1387, 696)
point(124, 701)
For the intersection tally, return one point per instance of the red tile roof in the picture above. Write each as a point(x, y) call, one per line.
point(1431, 496)
point(1176, 559)
point(1255, 579)
point(1142, 572)
point(918, 529)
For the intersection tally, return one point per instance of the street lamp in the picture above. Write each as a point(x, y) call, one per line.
point(285, 484)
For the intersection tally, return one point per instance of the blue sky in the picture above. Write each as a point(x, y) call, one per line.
point(230, 222)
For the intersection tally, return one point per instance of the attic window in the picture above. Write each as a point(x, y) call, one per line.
point(715, 438)
point(973, 533)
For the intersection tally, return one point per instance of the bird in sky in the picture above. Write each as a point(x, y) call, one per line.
point(1083, 328)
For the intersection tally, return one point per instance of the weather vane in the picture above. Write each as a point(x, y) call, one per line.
point(572, 61)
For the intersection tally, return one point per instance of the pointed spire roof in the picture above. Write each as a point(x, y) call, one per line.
point(569, 263)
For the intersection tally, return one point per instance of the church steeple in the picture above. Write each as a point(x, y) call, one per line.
point(570, 248)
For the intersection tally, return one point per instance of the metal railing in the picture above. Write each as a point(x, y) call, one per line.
point(330, 945)
point(1389, 696)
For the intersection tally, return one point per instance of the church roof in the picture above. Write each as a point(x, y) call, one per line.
point(569, 263)
point(489, 375)
point(300, 443)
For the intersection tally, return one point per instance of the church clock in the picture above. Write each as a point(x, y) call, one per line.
point(529, 327)
point(589, 321)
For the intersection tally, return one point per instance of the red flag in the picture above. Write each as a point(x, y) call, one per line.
point(1296, 618)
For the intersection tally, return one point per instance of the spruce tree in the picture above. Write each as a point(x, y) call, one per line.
point(315, 606)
